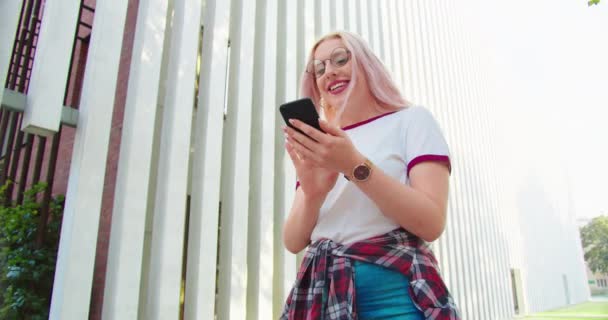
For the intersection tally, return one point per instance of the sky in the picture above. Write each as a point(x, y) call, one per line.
point(586, 114)
point(555, 53)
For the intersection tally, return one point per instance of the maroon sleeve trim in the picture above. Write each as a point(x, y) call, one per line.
point(429, 157)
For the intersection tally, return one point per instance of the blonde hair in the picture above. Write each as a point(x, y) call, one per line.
point(379, 82)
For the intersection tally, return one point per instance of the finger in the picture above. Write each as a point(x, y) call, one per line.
point(302, 139)
point(304, 152)
point(308, 130)
point(301, 160)
point(331, 129)
point(295, 158)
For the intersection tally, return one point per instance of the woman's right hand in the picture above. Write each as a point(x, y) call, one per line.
point(315, 182)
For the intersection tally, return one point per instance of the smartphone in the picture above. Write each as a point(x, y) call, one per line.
point(303, 110)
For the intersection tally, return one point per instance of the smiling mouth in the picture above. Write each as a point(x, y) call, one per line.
point(338, 87)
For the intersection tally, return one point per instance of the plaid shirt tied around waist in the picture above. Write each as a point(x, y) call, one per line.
point(324, 288)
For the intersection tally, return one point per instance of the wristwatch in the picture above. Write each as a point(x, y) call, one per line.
point(361, 172)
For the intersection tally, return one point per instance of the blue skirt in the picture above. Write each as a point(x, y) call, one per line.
point(382, 293)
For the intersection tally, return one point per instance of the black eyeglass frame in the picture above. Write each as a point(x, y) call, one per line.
point(310, 67)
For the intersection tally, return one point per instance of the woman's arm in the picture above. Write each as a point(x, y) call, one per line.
point(301, 221)
point(315, 183)
point(420, 207)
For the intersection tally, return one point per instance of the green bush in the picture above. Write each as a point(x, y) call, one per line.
point(27, 257)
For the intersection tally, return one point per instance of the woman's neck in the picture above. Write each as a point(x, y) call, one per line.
point(357, 112)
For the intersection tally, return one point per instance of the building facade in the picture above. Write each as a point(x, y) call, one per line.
point(175, 175)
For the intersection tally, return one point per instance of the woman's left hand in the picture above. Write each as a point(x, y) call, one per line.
point(332, 150)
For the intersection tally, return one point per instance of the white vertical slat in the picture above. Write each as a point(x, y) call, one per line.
point(232, 298)
point(482, 223)
point(202, 239)
point(462, 187)
point(281, 184)
point(261, 218)
point(423, 57)
point(376, 33)
point(350, 8)
point(345, 14)
point(463, 195)
point(311, 25)
point(433, 101)
point(492, 210)
point(318, 19)
point(155, 155)
point(321, 19)
point(300, 44)
point(501, 264)
point(475, 164)
point(44, 103)
point(439, 112)
point(364, 15)
point(358, 17)
point(500, 195)
point(386, 52)
point(396, 69)
point(322, 13)
point(333, 24)
point(339, 14)
point(453, 217)
point(78, 241)
point(455, 185)
point(402, 43)
point(413, 83)
point(164, 282)
point(268, 224)
point(491, 233)
point(292, 64)
point(9, 20)
point(472, 207)
point(406, 31)
point(468, 207)
point(125, 257)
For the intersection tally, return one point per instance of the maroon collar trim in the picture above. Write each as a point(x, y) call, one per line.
point(354, 125)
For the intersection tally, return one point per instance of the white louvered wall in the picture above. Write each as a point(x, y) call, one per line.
point(217, 151)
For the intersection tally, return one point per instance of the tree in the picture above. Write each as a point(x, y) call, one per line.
point(592, 2)
point(595, 244)
point(27, 266)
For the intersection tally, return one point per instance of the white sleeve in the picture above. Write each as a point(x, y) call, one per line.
point(424, 140)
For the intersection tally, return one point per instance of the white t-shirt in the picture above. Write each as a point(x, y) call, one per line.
point(394, 142)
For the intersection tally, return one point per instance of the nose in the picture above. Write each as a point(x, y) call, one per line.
point(330, 70)
point(329, 67)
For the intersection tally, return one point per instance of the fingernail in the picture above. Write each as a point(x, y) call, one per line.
point(292, 121)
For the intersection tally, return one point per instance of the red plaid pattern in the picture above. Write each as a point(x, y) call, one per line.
point(324, 288)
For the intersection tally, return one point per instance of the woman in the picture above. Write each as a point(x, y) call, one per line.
point(372, 188)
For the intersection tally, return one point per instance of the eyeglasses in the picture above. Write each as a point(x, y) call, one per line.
point(338, 58)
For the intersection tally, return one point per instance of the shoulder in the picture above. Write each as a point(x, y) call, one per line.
point(416, 117)
point(416, 112)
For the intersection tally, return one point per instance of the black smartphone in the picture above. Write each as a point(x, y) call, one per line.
point(303, 110)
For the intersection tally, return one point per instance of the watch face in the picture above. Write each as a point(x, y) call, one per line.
point(361, 172)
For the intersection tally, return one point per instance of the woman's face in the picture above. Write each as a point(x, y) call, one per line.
point(334, 83)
